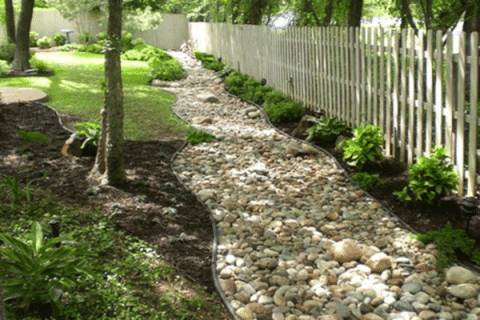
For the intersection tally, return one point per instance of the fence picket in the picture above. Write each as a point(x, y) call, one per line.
point(450, 81)
point(420, 98)
point(472, 146)
point(459, 143)
point(429, 105)
point(439, 91)
point(388, 98)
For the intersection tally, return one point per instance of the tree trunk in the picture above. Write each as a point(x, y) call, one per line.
point(355, 13)
point(10, 20)
point(255, 13)
point(115, 168)
point(22, 54)
point(109, 165)
point(328, 13)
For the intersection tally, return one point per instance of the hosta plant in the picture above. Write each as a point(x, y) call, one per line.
point(327, 130)
point(430, 179)
point(37, 271)
point(90, 131)
point(365, 147)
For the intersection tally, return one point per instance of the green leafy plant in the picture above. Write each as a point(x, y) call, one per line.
point(367, 181)
point(168, 70)
point(365, 147)
point(327, 130)
point(260, 94)
point(7, 51)
point(33, 38)
point(101, 36)
point(59, 38)
point(44, 42)
point(449, 242)
point(95, 48)
point(127, 39)
point(39, 65)
point(33, 136)
point(4, 68)
point(36, 271)
point(234, 83)
point(430, 179)
point(285, 111)
point(90, 130)
point(199, 136)
point(84, 37)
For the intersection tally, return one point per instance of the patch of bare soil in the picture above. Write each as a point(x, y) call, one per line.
point(152, 205)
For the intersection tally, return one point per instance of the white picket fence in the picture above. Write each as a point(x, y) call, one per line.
point(416, 88)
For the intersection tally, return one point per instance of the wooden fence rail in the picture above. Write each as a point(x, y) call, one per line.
point(420, 89)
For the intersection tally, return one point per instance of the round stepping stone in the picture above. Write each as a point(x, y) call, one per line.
point(13, 94)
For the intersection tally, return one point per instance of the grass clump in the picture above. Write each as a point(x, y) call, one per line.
point(450, 243)
point(198, 136)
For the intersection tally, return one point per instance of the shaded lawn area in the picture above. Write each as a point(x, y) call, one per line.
point(75, 91)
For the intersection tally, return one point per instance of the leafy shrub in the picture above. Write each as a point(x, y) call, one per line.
point(84, 37)
point(44, 43)
point(89, 130)
point(260, 93)
point(327, 130)
point(95, 48)
point(167, 70)
point(150, 52)
point(234, 83)
point(34, 37)
point(71, 46)
point(285, 111)
point(37, 271)
point(133, 54)
point(4, 68)
point(449, 242)
point(39, 65)
point(275, 97)
point(430, 179)
point(139, 43)
point(7, 51)
point(199, 136)
point(365, 147)
point(127, 39)
point(367, 181)
point(59, 38)
point(101, 36)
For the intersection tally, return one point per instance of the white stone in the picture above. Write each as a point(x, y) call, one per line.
point(345, 251)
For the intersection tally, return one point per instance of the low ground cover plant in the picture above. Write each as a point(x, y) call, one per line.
point(285, 111)
point(367, 181)
point(327, 130)
point(430, 178)
point(450, 242)
point(198, 136)
point(365, 147)
point(209, 61)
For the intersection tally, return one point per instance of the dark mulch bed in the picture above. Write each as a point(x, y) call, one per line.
point(149, 174)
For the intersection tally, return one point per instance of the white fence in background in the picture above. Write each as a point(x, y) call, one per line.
point(171, 33)
point(418, 90)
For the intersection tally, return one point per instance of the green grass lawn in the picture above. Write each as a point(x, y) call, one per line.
point(75, 90)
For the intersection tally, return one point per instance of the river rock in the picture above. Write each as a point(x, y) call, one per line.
point(345, 251)
point(305, 123)
point(463, 291)
point(459, 275)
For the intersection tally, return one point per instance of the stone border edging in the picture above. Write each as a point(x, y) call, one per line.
point(403, 223)
point(216, 281)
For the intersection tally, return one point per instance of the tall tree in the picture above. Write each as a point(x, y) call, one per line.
point(355, 13)
point(10, 20)
point(22, 53)
point(109, 165)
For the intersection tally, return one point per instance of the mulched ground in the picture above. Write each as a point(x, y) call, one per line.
point(149, 175)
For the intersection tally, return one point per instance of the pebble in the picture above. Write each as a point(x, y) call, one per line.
point(297, 241)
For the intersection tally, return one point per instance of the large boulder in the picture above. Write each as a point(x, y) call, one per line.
point(305, 123)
